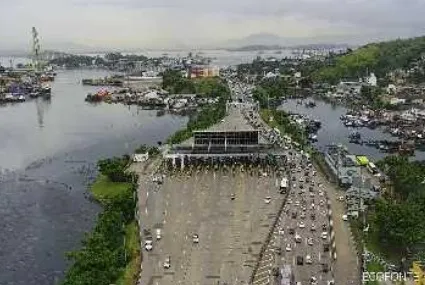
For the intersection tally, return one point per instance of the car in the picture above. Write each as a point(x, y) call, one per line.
point(267, 200)
point(288, 247)
point(326, 247)
point(281, 231)
point(313, 227)
point(294, 178)
point(320, 193)
point(324, 235)
point(324, 227)
point(167, 263)
point(301, 180)
point(310, 241)
point(300, 260)
point(294, 215)
point(158, 234)
point(278, 251)
point(331, 282)
point(341, 198)
point(313, 280)
point(308, 259)
point(291, 231)
point(307, 179)
point(325, 267)
point(232, 196)
point(195, 238)
point(312, 206)
point(344, 217)
point(304, 208)
point(294, 185)
point(302, 216)
point(301, 225)
point(302, 187)
point(313, 216)
point(311, 195)
point(148, 245)
point(298, 238)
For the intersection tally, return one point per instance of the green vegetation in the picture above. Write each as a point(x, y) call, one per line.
point(270, 90)
point(282, 121)
point(210, 114)
point(151, 150)
point(397, 222)
point(110, 252)
point(175, 83)
point(373, 266)
point(380, 58)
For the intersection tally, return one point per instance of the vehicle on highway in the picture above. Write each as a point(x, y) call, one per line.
point(167, 263)
point(310, 241)
point(288, 247)
point(232, 196)
point(195, 238)
point(158, 234)
point(298, 238)
point(326, 247)
point(308, 259)
point(148, 245)
point(300, 260)
point(324, 235)
point(284, 184)
point(301, 225)
point(344, 217)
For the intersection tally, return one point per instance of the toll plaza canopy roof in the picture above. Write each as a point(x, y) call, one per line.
point(362, 160)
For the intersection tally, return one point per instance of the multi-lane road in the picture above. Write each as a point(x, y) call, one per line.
point(231, 231)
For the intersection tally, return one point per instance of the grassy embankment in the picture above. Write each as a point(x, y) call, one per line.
point(110, 253)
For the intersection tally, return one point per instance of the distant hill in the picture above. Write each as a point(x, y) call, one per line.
point(379, 58)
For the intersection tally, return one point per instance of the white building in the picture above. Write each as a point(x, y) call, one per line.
point(372, 80)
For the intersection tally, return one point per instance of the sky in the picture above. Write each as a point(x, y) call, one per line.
point(130, 24)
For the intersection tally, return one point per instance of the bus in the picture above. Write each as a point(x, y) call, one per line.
point(283, 185)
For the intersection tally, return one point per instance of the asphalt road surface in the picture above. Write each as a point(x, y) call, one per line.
point(231, 232)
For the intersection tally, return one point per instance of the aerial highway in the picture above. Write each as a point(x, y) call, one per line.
point(224, 218)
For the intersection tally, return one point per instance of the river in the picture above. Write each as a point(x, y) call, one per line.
point(48, 151)
point(333, 131)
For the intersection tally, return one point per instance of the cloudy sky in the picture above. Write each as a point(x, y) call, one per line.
point(173, 23)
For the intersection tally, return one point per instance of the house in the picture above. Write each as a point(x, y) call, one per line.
point(372, 80)
point(397, 101)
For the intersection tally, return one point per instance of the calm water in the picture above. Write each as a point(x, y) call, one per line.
point(333, 131)
point(48, 152)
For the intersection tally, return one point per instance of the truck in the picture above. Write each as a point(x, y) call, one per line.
point(283, 185)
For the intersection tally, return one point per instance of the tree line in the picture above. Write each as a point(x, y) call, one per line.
point(101, 260)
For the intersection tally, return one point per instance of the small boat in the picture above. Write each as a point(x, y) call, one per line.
point(355, 135)
point(310, 104)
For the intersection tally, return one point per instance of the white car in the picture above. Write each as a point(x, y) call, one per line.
point(324, 235)
point(313, 281)
point(267, 200)
point(297, 203)
point(167, 263)
point(310, 241)
point(308, 259)
point(344, 217)
point(195, 238)
point(302, 216)
point(289, 201)
point(341, 198)
point(313, 227)
point(301, 225)
point(312, 206)
point(288, 247)
point(298, 238)
point(281, 231)
point(158, 234)
point(148, 245)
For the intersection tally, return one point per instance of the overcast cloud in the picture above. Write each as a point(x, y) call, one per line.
point(172, 23)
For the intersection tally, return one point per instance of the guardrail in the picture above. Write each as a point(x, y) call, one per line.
point(270, 234)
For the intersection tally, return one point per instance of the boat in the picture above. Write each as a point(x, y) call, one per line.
point(355, 135)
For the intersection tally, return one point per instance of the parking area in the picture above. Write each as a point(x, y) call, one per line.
point(230, 212)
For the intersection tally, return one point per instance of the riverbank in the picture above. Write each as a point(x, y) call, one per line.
point(111, 252)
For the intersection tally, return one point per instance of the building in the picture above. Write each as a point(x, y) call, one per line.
point(233, 137)
point(342, 165)
point(196, 71)
point(372, 80)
